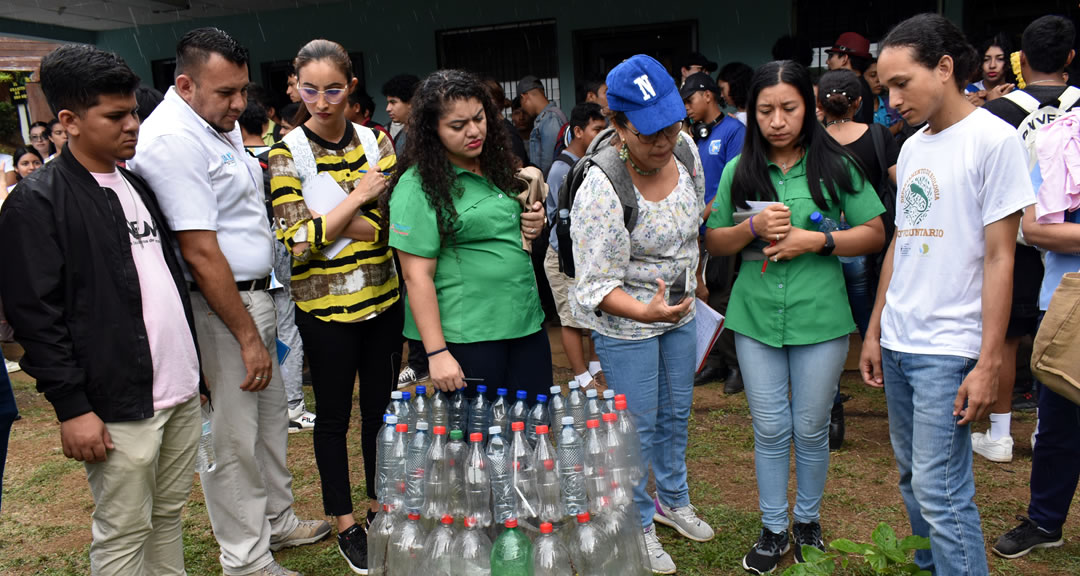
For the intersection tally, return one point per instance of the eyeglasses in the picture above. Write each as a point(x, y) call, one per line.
point(311, 95)
point(37, 137)
point(670, 133)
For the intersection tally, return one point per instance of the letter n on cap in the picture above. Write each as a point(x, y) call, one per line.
point(647, 91)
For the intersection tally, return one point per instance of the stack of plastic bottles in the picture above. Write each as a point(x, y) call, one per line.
point(470, 486)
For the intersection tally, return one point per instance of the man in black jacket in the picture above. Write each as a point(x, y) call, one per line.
point(95, 291)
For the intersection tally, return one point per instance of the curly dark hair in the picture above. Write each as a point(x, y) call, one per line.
point(425, 150)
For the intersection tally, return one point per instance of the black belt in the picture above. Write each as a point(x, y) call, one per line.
point(243, 286)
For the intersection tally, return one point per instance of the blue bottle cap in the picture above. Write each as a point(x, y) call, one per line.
point(384, 418)
point(501, 391)
point(406, 395)
point(480, 389)
point(815, 217)
point(541, 398)
point(421, 390)
point(521, 394)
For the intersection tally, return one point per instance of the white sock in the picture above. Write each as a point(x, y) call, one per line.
point(594, 367)
point(1000, 426)
point(583, 378)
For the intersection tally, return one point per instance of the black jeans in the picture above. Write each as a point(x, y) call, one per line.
point(337, 352)
point(8, 412)
point(518, 364)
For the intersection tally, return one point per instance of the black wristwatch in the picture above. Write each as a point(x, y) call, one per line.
point(829, 246)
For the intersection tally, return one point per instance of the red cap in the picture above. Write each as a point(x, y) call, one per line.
point(516, 426)
point(401, 427)
point(542, 429)
point(545, 528)
point(511, 523)
point(549, 464)
point(414, 516)
point(592, 424)
point(440, 430)
point(470, 521)
point(610, 417)
point(620, 404)
point(583, 517)
point(385, 507)
point(447, 519)
point(476, 437)
point(852, 43)
point(620, 397)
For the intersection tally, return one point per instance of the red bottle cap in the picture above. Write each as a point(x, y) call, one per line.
point(414, 516)
point(583, 517)
point(549, 465)
point(517, 426)
point(545, 528)
point(620, 404)
point(470, 521)
point(511, 523)
point(620, 397)
point(440, 430)
point(610, 417)
point(476, 437)
point(542, 429)
point(447, 519)
point(592, 424)
point(401, 428)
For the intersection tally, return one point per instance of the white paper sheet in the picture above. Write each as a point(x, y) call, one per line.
point(709, 325)
point(322, 194)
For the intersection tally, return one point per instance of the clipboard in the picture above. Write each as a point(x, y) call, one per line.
point(710, 324)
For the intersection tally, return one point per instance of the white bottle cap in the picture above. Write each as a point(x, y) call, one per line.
point(574, 385)
point(567, 420)
point(395, 395)
point(494, 430)
point(609, 394)
point(391, 419)
point(421, 425)
point(555, 389)
point(590, 393)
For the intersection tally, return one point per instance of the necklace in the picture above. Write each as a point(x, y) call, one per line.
point(643, 172)
point(784, 165)
point(834, 122)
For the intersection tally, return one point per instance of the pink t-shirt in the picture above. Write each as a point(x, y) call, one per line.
point(172, 349)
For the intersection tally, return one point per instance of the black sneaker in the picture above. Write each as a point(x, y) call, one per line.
point(370, 519)
point(767, 551)
point(709, 374)
point(733, 383)
point(808, 534)
point(352, 544)
point(1025, 538)
point(1025, 402)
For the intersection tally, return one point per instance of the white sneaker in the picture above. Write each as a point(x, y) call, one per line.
point(300, 419)
point(684, 520)
point(659, 561)
point(999, 450)
point(12, 366)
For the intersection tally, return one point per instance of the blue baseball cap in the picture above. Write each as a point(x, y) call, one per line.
point(642, 89)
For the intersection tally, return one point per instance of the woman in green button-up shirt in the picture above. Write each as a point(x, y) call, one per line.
point(790, 311)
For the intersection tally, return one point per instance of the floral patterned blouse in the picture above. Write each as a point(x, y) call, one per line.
point(664, 244)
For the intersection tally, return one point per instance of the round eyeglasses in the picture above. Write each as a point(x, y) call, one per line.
point(311, 95)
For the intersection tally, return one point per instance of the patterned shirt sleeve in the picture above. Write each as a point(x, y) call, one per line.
point(293, 221)
point(601, 241)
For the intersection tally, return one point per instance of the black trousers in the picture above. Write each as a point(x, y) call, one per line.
point(337, 353)
point(518, 364)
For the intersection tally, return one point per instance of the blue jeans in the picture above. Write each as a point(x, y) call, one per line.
point(934, 458)
point(812, 372)
point(8, 412)
point(657, 376)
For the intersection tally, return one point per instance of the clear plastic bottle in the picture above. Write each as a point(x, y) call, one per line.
point(440, 410)
point(457, 452)
point(420, 405)
point(477, 482)
point(596, 481)
point(386, 437)
point(556, 408)
point(619, 480)
point(437, 558)
point(519, 412)
point(622, 530)
point(499, 414)
point(630, 440)
point(478, 411)
point(575, 406)
point(572, 469)
point(470, 553)
point(608, 405)
point(593, 407)
point(458, 415)
point(406, 404)
point(512, 554)
point(588, 549)
point(550, 556)
point(205, 459)
point(826, 224)
point(405, 554)
point(393, 407)
point(523, 474)
point(436, 476)
point(395, 485)
point(418, 448)
point(538, 416)
point(502, 491)
point(378, 541)
point(548, 485)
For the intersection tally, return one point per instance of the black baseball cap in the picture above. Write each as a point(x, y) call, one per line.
point(697, 59)
point(697, 82)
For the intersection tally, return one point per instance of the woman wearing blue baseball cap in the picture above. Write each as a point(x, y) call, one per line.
point(646, 344)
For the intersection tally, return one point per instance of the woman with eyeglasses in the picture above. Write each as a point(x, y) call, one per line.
point(644, 332)
point(344, 282)
point(39, 139)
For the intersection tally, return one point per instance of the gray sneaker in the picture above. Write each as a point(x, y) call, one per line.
point(684, 520)
point(306, 532)
point(659, 561)
point(275, 569)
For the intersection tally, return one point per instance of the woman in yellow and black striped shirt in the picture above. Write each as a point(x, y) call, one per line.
point(349, 309)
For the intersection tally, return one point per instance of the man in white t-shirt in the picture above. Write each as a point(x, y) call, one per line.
point(97, 295)
point(939, 321)
point(210, 190)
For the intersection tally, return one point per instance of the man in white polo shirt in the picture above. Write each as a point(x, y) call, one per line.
point(210, 191)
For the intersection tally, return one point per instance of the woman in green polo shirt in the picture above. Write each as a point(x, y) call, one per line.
point(790, 311)
point(457, 227)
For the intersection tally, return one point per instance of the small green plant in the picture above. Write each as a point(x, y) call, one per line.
point(886, 555)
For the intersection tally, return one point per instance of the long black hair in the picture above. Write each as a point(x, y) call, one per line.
point(19, 153)
point(425, 150)
point(827, 163)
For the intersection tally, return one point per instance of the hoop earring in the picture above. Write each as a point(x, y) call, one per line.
point(624, 153)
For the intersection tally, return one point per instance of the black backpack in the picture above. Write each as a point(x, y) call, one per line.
point(606, 157)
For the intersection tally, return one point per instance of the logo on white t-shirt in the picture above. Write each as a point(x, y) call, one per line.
point(918, 196)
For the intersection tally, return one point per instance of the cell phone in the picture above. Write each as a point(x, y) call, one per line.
point(677, 291)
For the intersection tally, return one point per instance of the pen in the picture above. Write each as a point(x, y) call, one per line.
point(765, 264)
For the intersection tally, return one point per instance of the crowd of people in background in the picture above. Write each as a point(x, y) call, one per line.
point(893, 195)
